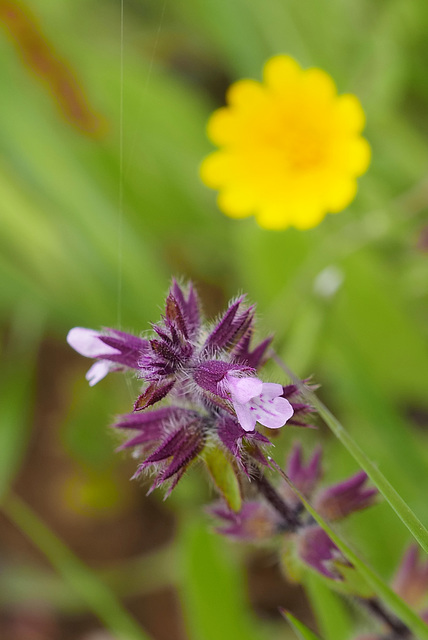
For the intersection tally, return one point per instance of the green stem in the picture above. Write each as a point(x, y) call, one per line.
point(403, 511)
point(396, 627)
point(377, 585)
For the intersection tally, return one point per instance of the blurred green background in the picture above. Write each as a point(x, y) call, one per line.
point(98, 212)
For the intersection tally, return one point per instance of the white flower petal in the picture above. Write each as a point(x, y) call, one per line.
point(243, 389)
point(274, 413)
point(97, 372)
point(87, 342)
point(271, 390)
point(246, 418)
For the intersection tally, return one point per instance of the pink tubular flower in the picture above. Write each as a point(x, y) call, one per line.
point(256, 401)
point(112, 349)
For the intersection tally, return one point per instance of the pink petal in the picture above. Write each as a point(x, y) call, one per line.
point(243, 389)
point(272, 390)
point(276, 413)
point(97, 372)
point(246, 417)
point(87, 343)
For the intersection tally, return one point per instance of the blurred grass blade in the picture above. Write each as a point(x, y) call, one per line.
point(16, 384)
point(301, 629)
point(212, 588)
point(98, 598)
point(382, 590)
point(331, 614)
point(406, 515)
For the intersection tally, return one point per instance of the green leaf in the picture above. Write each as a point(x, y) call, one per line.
point(382, 590)
point(332, 615)
point(16, 396)
point(213, 592)
point(224, 475)
point(397, 503)
point(301, 629)
point(98, 598)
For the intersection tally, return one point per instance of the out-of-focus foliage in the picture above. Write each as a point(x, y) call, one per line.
point(347, 301)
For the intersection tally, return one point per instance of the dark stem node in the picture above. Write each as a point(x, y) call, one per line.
point(291, 520)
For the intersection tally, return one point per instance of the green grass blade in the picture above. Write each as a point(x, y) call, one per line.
point(301, 629)
point(329, 607)
point(403, 511)
point(382, 590)
point(213, 591)
point(98, 598)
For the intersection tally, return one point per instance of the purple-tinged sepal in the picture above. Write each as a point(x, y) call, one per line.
point(342, 499)
point(318, 551)
point(411, 580)
point(183, 310)
point(235, 439)
point(154, 393)
point(255, 522)
point(168, 439)
point(211, 375)
point(151, 426)
point(301, 409)
point(234, 324)
point(175, 453)
point(304, 476)
point(187, 307)
point(255, 358)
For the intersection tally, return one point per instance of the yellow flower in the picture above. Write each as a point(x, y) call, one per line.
point(290, 147)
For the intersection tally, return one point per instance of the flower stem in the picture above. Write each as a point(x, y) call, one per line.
point(396, 502)
point(399, 630)
point(291, 521)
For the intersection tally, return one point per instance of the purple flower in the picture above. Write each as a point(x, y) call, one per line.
point(204, 374)
point(256, 521)
point(169, 439)
point(411, 584)
point(312, 545)
point(334, 502)
point(318, 551)
point(411, 579)
point(301, 409)
point(304, 477)
point(339, 500)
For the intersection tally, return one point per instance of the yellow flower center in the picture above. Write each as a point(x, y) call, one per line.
point(305, 150)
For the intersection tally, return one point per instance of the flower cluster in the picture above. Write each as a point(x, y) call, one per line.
point(290, 147)
point(206, 373)
point(411, 584)
point(259, 520)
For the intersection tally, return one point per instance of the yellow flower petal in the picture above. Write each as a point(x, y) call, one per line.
point(214, 170)
point(281, 73)
point(342, 195)
point(309, 217)
point(221, 126)
point(236, 203)
point(359, 156)
point(274, 217)
point(349, 113)
point(245, 94)
point(318, 86)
